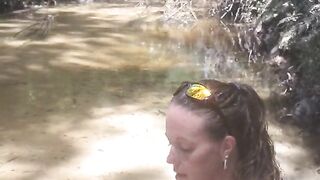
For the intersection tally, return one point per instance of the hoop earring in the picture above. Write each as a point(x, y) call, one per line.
point(225, 162)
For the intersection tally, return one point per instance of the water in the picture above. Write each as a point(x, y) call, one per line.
point(88, 101)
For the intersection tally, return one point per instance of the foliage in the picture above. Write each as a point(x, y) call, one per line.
point(284, 34)
point(179, 12)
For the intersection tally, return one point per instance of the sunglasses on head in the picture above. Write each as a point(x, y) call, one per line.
point(223, 95)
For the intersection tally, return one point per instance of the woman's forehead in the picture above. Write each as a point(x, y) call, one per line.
point(181, 122)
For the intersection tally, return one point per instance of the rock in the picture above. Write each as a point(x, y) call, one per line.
point(306, 113)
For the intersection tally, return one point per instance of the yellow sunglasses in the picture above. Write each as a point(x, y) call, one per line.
point(221, 97)
point(198, 91)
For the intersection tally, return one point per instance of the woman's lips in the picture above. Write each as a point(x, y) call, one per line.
point(180, 176)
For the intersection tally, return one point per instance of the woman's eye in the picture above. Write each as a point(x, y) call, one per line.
point(185, 149)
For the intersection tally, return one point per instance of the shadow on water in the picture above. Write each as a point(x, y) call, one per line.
point(297, 153)
point(60, 94)
point(49, 89)
point(296, 134)
point(297, 149)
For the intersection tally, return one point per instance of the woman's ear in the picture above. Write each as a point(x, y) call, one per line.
point(228, 145)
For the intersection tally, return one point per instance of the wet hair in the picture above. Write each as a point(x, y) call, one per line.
point(236, 110)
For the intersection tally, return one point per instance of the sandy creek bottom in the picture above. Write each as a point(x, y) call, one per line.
point(88, 102)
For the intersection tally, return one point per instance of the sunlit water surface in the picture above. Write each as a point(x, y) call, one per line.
point(88, 101)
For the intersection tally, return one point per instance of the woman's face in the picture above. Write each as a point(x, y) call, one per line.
point(193, 154)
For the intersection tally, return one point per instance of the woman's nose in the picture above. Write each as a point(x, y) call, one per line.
point(170, 158)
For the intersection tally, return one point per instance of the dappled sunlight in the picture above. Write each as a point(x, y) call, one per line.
point(292, 152)
point(295, 158)
point(84, 47)
point(31, 150)
point(37, 67)
point(75, 102)
point(134, 149)
point(12, 27)
point(296, 163)
point(13, 43)
point(88, 101)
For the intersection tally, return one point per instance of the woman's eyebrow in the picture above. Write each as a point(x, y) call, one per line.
point(179, 139)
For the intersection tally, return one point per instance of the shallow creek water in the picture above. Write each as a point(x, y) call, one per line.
point(88, 101)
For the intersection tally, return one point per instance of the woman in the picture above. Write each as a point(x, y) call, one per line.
point(217, 131)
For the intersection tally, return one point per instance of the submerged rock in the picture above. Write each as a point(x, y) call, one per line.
point(37, 30)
